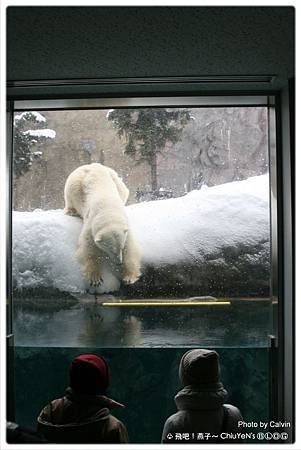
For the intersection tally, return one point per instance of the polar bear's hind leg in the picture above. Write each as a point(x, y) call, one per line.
point(121, 187)
point(73, 195)
point(71, 211)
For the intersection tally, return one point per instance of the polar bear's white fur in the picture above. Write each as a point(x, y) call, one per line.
point(96, 194)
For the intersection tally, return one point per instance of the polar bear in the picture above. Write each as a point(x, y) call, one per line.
point(96, 194)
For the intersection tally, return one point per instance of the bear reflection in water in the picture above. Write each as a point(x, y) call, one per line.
point(102, 324)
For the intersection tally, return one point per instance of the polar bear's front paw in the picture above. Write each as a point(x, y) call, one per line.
point(130, 278)
point(94, 277)
point(95, 281)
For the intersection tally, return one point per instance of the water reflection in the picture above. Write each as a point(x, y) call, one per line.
point(85, 321)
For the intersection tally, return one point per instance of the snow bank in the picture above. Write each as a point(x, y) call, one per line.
point(202, 222)
point(192, 230)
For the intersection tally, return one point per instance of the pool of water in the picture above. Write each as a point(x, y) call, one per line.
point(106, 322)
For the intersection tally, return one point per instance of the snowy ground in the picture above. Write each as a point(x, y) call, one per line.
point(187, 231)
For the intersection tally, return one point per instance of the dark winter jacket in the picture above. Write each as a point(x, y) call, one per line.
point(81, 419)
point(201, 411)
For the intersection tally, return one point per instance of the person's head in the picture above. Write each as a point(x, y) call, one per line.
point(199, 367)
point(89, 375)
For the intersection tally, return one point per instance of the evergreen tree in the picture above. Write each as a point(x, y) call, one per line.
point(147, 131)
point(28, 137)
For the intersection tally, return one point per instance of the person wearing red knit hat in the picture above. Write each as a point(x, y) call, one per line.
point(83, 414)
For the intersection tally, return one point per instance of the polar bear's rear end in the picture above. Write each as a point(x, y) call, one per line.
point(96, 194)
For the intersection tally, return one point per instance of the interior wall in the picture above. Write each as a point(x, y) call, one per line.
point(103, 42)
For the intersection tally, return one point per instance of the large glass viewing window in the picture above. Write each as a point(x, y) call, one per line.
point(202, 179)
point(202, 205)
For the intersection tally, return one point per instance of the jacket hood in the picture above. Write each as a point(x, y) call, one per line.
point(199, 367)
point(76, 411)
point(199, 398)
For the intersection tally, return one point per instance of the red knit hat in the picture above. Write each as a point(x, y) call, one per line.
point(89, 374)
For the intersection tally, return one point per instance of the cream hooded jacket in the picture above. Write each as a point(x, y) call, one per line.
point(201, 403)
point(201, 411)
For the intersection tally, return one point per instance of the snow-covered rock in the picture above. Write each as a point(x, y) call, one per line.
point(44, 246)
point(214, 241)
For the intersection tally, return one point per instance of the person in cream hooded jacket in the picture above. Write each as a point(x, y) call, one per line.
point(201, 402)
